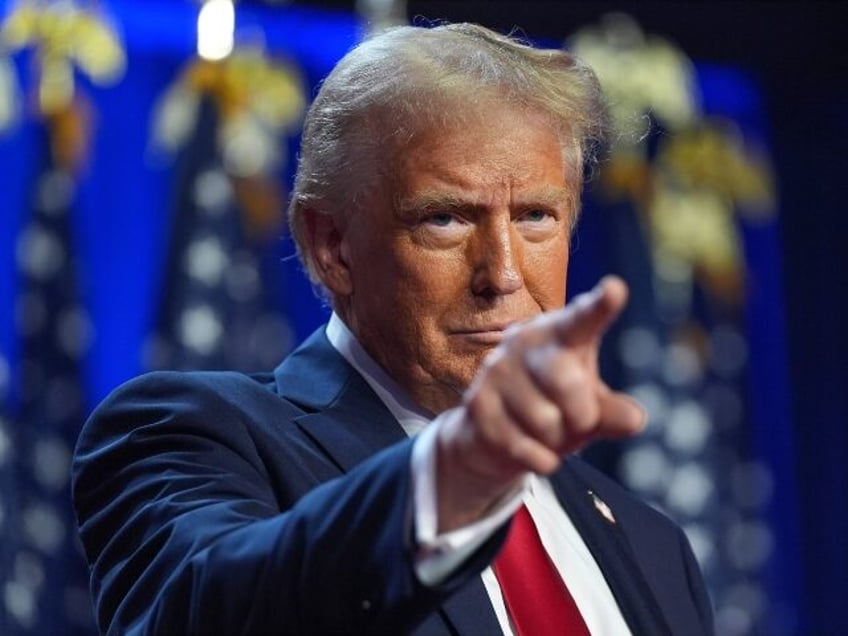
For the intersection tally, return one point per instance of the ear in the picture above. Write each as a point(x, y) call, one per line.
point(325, 236)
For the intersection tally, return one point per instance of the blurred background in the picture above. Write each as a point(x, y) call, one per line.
point(146, 150)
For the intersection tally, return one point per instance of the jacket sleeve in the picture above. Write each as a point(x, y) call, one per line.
point(186, 533)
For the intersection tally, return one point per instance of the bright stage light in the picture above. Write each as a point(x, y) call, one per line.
point(215, 28)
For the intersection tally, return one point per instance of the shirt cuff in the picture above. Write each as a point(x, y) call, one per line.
point(440, 555)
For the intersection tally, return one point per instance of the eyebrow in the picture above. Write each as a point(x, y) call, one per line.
point(425, 202)
point(430, 201)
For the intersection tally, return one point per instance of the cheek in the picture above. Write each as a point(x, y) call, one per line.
point(432, 279)
point(412, 298)
point(545, 276)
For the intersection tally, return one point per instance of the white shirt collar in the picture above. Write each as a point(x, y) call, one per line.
point(409, 415)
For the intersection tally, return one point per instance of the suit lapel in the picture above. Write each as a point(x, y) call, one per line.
point(350, 436)
point(341, 412)
point(350, 423)
point(612, 552)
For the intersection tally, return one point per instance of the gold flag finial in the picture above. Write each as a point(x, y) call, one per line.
point(64, 36)
point(691, 181)
point(257, 101)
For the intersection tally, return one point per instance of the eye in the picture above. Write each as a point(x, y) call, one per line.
point(441, 219)
point(535, 216)
point(539, 224)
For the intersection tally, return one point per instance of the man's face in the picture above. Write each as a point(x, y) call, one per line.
point(468, 235)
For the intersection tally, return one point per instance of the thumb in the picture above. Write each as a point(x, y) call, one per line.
point(620, 415)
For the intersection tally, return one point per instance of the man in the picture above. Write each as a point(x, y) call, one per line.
point(367, 485)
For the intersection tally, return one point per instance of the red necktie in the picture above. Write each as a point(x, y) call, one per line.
point(535, 595)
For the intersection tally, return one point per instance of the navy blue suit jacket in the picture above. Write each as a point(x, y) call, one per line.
point(222, 503)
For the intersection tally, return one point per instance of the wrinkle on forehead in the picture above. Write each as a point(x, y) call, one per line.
point(473, 164)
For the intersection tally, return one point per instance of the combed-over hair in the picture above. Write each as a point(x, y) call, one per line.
point(408, 79)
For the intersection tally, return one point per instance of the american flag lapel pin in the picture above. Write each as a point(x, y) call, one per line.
point(602, 507)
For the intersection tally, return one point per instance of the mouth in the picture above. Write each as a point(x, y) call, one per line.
point(488, 336)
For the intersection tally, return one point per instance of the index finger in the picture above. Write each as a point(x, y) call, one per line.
point(587, 317)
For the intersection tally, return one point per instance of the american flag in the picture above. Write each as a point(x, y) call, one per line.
point(44, 577)
point(673, 207)
point(214, 311)
point(8, 505)
point(682, 351)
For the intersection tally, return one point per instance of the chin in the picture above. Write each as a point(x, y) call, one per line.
point(472, 365)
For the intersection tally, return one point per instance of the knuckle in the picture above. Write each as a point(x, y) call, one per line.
point(545, 418)
point(547, 424)
point(567, 378)
point(585, 420)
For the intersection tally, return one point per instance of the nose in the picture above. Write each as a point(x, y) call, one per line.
point(497, 259)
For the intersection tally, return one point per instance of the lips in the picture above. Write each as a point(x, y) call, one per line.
point(493, 337)
point(488, 335)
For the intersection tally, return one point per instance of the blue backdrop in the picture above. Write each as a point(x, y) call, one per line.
point(120, 229)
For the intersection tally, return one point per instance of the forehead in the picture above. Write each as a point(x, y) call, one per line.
point(481, 150)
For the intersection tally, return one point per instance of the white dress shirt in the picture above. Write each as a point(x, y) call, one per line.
point(441, 554)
